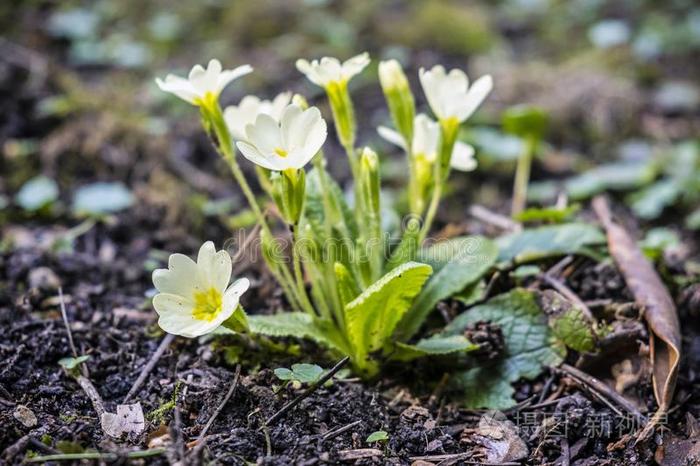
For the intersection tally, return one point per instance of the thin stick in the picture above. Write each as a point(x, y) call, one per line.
point(97, 456)
point(568, 293)
point(220, 408)
point(339, 431)
point(164, 344)
point(92, 394)
point(64, 314)
point(600, 388)
point(308, 392)
point(493, 218)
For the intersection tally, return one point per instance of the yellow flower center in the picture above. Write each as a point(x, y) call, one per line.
point(281, 152)
point(207, 304)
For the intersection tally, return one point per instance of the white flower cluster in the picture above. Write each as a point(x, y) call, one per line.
point(194, 298)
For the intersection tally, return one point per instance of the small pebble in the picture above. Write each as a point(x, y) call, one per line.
point(25, 416)
point(43, 278)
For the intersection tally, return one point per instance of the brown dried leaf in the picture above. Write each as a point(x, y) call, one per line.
point(650, 293)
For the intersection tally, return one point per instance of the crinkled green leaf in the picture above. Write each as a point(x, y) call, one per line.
point(457, 263)
point(568, 322)
point(314, 213)
point(552, 240)
point(433, 346)
point(529, 345)
point(572, 329)
point(299, 325)
point(372, 317)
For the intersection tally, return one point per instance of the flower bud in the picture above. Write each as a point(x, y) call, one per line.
point(399, 97)
point(369, 174)
point(288, 193)
point(300, 101)
point(343, 112)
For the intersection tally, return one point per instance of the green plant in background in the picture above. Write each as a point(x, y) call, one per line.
point(530, 124)
point(368, 297)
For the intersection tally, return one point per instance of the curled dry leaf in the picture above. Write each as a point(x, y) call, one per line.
point(650, 293)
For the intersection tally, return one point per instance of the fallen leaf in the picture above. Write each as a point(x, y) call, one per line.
point(128, 420)
point(498, 440)
point(650, 293)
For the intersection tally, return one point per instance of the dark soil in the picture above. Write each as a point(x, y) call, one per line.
point(106, 284)
point(104, 296)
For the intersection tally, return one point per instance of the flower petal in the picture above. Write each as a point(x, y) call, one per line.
point(252, 153)
point(226, 77)
point(264, 134)
point(355, 65)
point(392, 136)
point(179, 278)
point(475, 96)
point(463, 157)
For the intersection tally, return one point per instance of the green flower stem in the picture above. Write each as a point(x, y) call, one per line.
point(522, 176)
point(215, 126)
point(299, 275)
point(449, 130)
point(328, 277)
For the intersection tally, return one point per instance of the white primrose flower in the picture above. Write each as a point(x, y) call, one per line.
point(329, 70)
point(450, 95)
point(194, 297)
point(202, 85)
point(288, 144)
point(426, 143)
point(237, 117)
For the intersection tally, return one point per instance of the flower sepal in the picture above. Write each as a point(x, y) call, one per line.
point(238, 322)
point(288, 188)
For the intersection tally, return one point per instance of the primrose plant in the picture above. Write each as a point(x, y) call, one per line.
point(368, 297)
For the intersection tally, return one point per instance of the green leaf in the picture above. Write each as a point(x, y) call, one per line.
point(341, 215)
point(650, 202)
point(407, 248)
point(283, 373)
point(529, 344)
point(372, 317)
point(434, 346)
point(619, 176)
point(555, 240)
point(457, 263)
point(299, 325)
point(72, 363)
point(547, 214)
point(572, 329)
point(525, 121)
point(307, 373)
point(568, 322)
point(99, 199)
point(36, 193)
point(378, 436)
point(657, 240)
point(347, 286)
point(692, 221)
